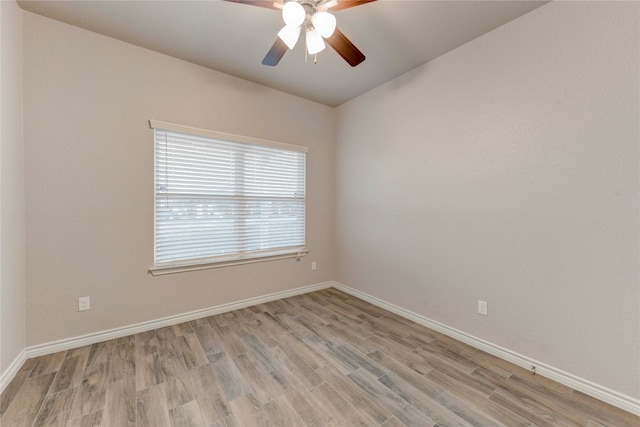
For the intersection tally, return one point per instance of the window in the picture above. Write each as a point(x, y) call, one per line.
point(222, 199)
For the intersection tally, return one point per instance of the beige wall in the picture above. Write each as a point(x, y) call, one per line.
point(89, 179)
point(507, 170)
point(12, 224)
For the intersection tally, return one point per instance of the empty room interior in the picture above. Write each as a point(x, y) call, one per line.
point(433, 221)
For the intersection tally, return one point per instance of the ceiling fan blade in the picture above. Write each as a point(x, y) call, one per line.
point(346, 4)
point(276, 53)
point(341, 44)
point(269, 4)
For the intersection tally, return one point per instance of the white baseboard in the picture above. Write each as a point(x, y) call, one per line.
point(599, 392)
point(69, 343)
point(605, 394)
point(12, 370)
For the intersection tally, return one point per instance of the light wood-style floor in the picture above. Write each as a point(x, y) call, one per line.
point(320, 359)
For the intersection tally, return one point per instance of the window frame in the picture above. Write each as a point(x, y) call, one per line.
point(239, 258)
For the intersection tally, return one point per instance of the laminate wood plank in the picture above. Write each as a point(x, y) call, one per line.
point(346, 311)
point(603, 412)
point(122, 361)
point(298, 367)
point(456, 346)
point(151, 407)
point(242, 322)
point(341, 410)
point(192, 352)
point(505, 368)
point(260, 352)
point(322, 297)
point(359, 341)
point(344, 324)
point(269, 329)
point(393, 422)
point(168, 346)
point(405, 372)
point(228, 421)
point(504, 415)
point(472, 390)
point(363, 307)
point(372, 409)
point(399, 407)
point(410, 359)
point(198, 323)
point(99, 353)
point(280, 413)
point(12, 389)
point(187, 415)
point(48, 363)
point(293, 325)
point(544, 400)
point(70, 373)
point(29, 364)
point(528, 409)
point(232, 344)
point(120, 403)
point(260, 384)
point(292, 345)
point(270, 322)
point(176, 379)
point(318, 310)
point(393, 343)
point(166, 333)
point(307, 407)
point(360, 360)
point(210, 397)
point(181, 329)
point(27, 402)
point(469, 413)
point(82, 352)
point(148, 370)
point(228, 378)
point(307, 313)
point(247, 412)
point(91, 394)
point(280, 307)
point(90, 420)
point(124, 340)
point(209, 340)
point(56, 409)
point(423, 403)
point(439, 357)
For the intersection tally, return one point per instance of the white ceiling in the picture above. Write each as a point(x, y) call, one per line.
point(395, 35)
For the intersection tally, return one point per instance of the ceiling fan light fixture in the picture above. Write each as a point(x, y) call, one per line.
point(289, 35)
point(315, 43)
point(327, 5)
point(324, 23)
point(293, 14)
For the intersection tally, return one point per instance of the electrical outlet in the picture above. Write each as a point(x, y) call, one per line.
point(313, 265)
point(483, 308)
point(84, 304)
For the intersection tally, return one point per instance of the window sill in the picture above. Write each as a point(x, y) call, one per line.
point(159, 270)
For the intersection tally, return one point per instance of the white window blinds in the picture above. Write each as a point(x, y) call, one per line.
point(219, 200)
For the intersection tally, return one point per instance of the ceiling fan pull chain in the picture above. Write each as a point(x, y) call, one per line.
point(315, 58)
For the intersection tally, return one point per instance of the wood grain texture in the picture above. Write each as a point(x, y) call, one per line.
point(319, 359)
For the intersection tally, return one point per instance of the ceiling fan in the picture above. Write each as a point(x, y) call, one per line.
point(312, 17)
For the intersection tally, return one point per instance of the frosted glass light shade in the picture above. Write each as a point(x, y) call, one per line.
point(289, 35)
point(293, 13)
point(324, 23)
point(315, 43)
